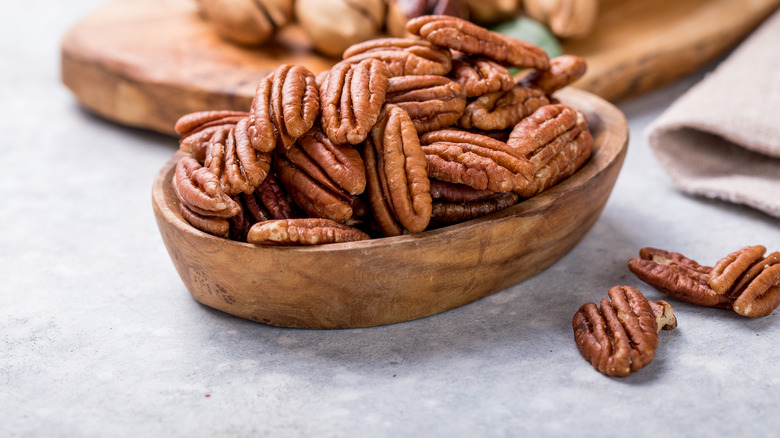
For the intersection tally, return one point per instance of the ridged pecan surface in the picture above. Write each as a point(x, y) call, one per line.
point(453, 212)
point(479, 76)
point(502, 109)
point(196, 129)
point(433, 102)
point(202, 201)
point(563, 70)
point(231, 157)
point(403, 56)
point(307, 231)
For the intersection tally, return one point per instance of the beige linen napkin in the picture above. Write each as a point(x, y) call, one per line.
point(721, 139)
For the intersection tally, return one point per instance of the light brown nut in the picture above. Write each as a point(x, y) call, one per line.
point(352, 100)
point(401, 169)
point(476, 160)
point(664, 315)
point(402, 56)
point(502, 109)
point(566, 18)
point(196, 129)
point(449, 212)
point(761, 293)
point(728, 270)
point(246, 22)
point(384, 219)
point(231, 157)
point(295, 100)
point(339, 163)
point(334, 25)
point(678, 276)
point(564, 70)
point(433, 102)
point(451, 192)
point(316, 200)
point(463, 36)
point(479, 76)
point(309, 231)
point(619, 337)
point(399, 12)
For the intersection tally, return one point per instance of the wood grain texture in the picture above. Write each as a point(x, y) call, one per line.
point(145, 63)
point(396, 279)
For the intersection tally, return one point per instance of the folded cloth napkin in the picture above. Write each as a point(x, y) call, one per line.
point(721, 139)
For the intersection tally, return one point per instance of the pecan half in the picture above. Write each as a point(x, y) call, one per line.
point(401, 169)
point(433, 102)
point(479, 76)
point(449, 212)
point(451, 192)
point(309, 231)
point(403, 56)
point(196, 129)
point(676, 275)
point(337, 164)
point(475, 160)
point(621, 336)
point(316, 200)
point(285, 106)
point(352, 100)
point(746, 281)
point(203, 203)
point(268, 202)
point(231, 157)
point(502, 109)
point(563, 70)
point(464, 36)
point(384, 219)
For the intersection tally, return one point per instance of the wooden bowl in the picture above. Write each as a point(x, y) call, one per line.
point(394, 279)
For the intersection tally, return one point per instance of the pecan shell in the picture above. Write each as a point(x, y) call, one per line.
point(402, 56)
point(475, 160)
point(433, 102)
point(563, 70)
point(352, 99)
point(464, 36)
point(619, 336)
point(479, 76)
point(401, 168)
point(316, 200)
point(502, 109)
point(196, 129)
point(231, 157)
point(309, 231)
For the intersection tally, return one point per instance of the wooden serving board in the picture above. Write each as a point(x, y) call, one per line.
point(144, 63)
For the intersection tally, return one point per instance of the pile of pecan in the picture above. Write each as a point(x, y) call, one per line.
point(400, 136)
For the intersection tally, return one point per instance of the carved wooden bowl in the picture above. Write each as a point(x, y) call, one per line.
point(394, 279)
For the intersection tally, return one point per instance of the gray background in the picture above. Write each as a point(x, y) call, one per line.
point(98, 336)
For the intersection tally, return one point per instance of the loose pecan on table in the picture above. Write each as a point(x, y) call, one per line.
point(403, 56)
point(621, 336)
point(352, 99)
point(433, 102)
point(307, 231)
point(464, 36)
point(202, 201)
point(475, 160)
point(479, 76)
point(502, 109)
point(400, 169)
point(744, 280)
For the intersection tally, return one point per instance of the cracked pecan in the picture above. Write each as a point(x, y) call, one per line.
point(400, 166)
point(352, 100)
point(196, 129)
point(231, 157)
point(433, 102)
point(620, 336)
point(744, 280)
point(464, 36)
point(475, 160)
point(502, 109)
point(308, 231)
point(285, 106)
point(479, 76)
point(563, 70)
point(453, 212)
point(202, 201)
point(308, 194)
point(403, 56)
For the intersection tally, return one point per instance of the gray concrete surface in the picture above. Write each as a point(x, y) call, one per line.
point(98, 336)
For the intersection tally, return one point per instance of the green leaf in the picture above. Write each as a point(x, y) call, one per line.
point(526, 29)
